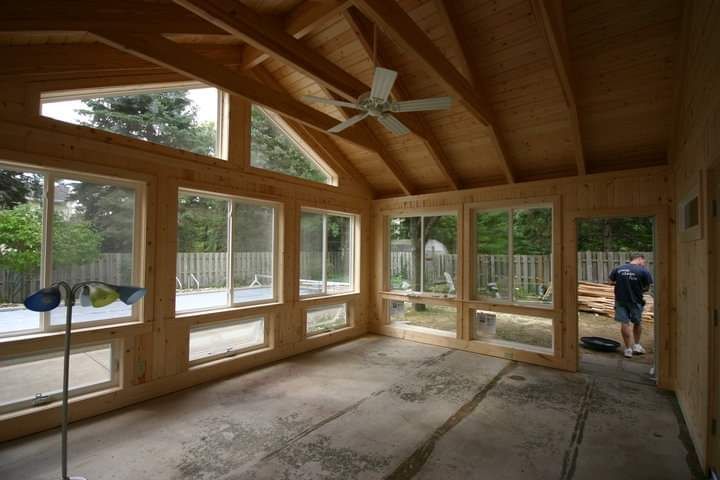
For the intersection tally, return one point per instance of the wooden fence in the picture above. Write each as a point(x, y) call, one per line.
point(205, 270)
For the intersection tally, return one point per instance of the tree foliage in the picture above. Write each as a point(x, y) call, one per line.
point(621, 234)
point(16, 187)
point(75, 242)
point(271, 149)
point(167, 118)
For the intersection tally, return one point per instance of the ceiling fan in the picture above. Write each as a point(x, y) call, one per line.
point(375, 103)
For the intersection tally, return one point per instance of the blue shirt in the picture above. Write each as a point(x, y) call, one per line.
point(631, 281)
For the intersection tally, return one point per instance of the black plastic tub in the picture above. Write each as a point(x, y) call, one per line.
point(599, 343)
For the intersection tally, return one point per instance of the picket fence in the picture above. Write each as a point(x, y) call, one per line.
point(205, 270)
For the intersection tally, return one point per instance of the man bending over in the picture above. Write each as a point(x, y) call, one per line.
point(631, 281)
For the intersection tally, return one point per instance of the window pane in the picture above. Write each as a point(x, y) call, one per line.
point(202, 253)
point(21, 210)
point(339, 254)
point(532, 255)
point(405, 253)
point(326, 319)
point(181, 118)
point(438, 319)
point(440, 252)
point(224, 340)
point(253, 241)
point(311, 253)
point(517, 330)
point(273, 149)
point(92, 239)
point(492, 269)
point(25, 377)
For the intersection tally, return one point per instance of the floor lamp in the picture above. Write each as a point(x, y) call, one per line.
point(96, 294)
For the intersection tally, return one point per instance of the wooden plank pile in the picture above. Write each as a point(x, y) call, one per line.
point(599, 298)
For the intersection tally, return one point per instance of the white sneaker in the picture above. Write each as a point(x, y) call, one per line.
point(628, 353)
point(638, 349)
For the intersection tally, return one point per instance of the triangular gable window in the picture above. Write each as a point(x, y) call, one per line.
point(275, 147)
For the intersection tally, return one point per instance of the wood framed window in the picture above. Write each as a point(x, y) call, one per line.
point(327, 253)
point(188, 116)
point(213, 340)
point(62, 226)
point(35, 379)
point(423, 254)
point(512, 254)
point(325, 319)
point(227, 252)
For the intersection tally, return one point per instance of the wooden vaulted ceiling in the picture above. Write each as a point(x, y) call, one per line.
point(543, 88)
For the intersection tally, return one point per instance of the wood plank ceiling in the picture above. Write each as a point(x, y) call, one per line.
point(543, 88)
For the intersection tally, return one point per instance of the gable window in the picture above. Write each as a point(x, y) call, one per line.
point(183, 116)
point(513, 254)
point(275, 147)
point(423, 254)
point(56, 226)
point(226, 252)
point(327, 244)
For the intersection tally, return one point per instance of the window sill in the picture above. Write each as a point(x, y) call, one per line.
point(313, 336)
point(202, 316)
point(322, 297)
point(107, 331)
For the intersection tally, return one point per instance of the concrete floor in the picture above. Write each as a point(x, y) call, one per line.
point(379, 407)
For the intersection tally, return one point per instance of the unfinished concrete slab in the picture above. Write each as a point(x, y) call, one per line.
point(374, 408)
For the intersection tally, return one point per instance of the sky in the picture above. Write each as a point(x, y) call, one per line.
point(204, 98)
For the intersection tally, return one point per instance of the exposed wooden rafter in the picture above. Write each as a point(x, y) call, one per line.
point(157, 49)
point(298, 23)
point(396, 23)
point(268, 35)
point(550, 19)
point(362, 28)
point(445, 11)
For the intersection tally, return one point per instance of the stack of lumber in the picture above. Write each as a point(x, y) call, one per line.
point(599, 298)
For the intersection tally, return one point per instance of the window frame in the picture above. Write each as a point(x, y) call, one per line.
point(225, 323)
point(114, 382)
point(354, 235)
point(50, 176)
point(458, 247)
point(299, 142)
point(323, 306)
point(472, 211)
point(276, 260)
point(222, 121)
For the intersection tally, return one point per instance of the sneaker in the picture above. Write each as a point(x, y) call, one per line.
point(638, 349)
point(628, 353)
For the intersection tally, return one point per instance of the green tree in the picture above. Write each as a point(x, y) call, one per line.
point(17, 187)
point(271, 149)
point(168, 118)
point(74, 242)
point(202, 224)
point(620, 234)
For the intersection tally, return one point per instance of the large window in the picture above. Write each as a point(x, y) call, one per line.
point(423, 254)
point(325, 319)
point(512, 329)
point(60, 227)
point(436, 319)
point(327, 243)
point(36, 379)
point(513, 255)
point(275, 147)
point(187, 117)
point(226, 252)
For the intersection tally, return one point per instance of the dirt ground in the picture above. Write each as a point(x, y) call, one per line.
point(536, 331)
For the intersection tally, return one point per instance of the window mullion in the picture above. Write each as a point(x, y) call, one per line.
point(229, 253)
point(46, 243)
point(511, 258)
point(324, 253)
point(422, 254)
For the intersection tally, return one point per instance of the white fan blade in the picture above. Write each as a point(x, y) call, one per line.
point(423, 104)
point(348, 123)
point(383, 81)
point(393, 124)
point(329, 101)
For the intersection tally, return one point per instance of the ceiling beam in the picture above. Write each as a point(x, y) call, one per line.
point(301, 21)
point(446, 13)
point(266, 34)
point(158, 49)
point(363, 30)
point(553, 27)
point(86, 15)
point(396, 23)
